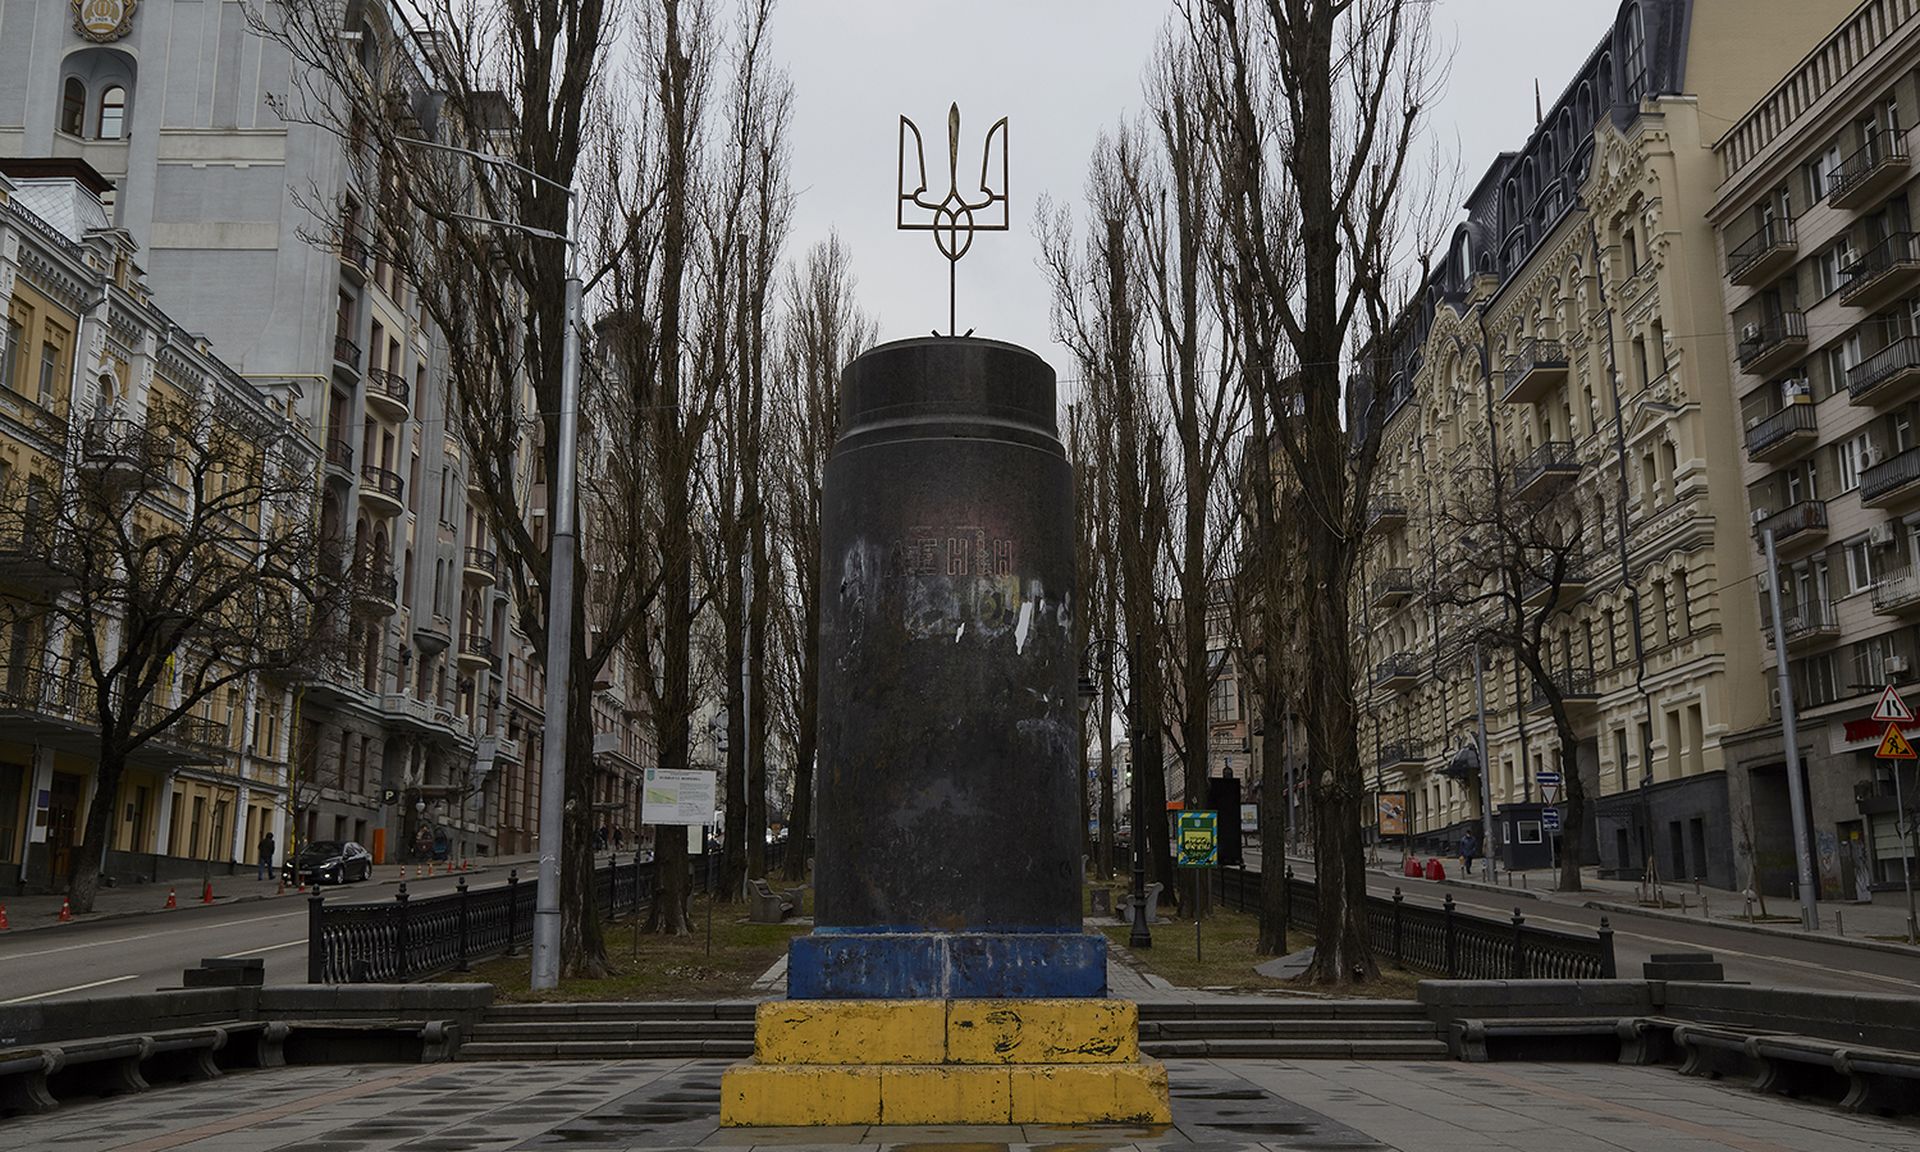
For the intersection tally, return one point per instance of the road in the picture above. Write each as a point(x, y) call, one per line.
point(1752, 957)
point(141, 953)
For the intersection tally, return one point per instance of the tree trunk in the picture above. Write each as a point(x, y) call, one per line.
point(1343, 948)
point(1273, 823)
point(1573, 825)
point(583, 947)
point(800, 819)
point(757, 759)
point(83, 883)
point(733, 855)
point(1105, 854)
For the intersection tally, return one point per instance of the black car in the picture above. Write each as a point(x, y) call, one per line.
point(330, 862)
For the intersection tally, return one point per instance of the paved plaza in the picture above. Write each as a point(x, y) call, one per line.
point(1330, 1105)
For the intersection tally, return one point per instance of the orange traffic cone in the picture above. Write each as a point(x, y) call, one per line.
point(206, 892)
point(466, 865)
point(3, 917)
point(66, 911)
point(171, 903)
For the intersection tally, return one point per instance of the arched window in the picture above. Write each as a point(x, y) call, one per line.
point(1633, 73)
point(73, 106)
point(113, 113)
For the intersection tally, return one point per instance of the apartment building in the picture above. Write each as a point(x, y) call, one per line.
point(1559, 342)
point(1821, 275)
point(255, 231)
point(86, 355)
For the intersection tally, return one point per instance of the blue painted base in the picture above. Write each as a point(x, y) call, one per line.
point(946, 965)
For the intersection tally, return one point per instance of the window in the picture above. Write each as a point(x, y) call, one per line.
point(1529, 831)
point(49, 372)
point(73, 106)
point(1830, 273)
point(113, 113)
point(1820, 172)
point(1632, 250)
point(1633, 73)
point(1870, 662)
point(1901, 429)
point(1860, 565)
point(10, 355)
point(1607, 625)
point(1850, 459)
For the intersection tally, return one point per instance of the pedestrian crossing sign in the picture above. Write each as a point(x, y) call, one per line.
point(1895, 745)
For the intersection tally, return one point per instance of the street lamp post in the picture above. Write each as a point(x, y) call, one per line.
point(559, 656)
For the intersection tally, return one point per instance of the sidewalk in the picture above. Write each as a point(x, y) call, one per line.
point(35, 911)
point(1878, 926)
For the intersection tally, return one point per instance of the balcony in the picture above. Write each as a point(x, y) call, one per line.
point(1536, 591)
point(476, 651)
point(482, 566)
point(387, 393)
point(1795, 528)
point(1575, 687)
point(1392, 588)
point(1773, 343)
point(1535, 370)
point(115, 444)
point(1401, 755)
point(1889, 376)
point(354, 257)
point(1387, 513)
point(28, 556)
point(381, 490)
point(1783, 434)
point(1765, 254)
point(1897, 595)
point(339, 460)
point(1804, 624)
point(346, 354)
point(1891, 482)
point(1882, 272)
point(1869, 173)
point(376, 590)
point(1396, 673)
point(1545, 469)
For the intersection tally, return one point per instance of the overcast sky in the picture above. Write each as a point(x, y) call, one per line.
point(1061, 71)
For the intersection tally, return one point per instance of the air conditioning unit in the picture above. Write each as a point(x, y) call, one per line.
point(1881, 535)
point(1869, 456)
point(1895, 665)
point(1760, 514)
point(1754, 422)
point(1749, 333)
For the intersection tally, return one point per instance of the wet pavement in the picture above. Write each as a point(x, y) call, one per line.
point(1299, 1105)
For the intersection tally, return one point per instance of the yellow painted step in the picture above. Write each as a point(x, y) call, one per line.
point(945, 1094)
point(816, 1095)
point(850, 1032)
point(1090, 1093)
point(1042, 1031)
point(799, 1095)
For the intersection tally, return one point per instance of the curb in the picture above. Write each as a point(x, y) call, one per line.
point(1756, 929)
point(1476, 885)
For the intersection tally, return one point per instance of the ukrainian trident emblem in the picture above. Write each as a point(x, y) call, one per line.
point(956, 216)
point(103, 21)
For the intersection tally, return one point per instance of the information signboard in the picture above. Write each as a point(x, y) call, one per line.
point(1199, 839)
point(677, 796)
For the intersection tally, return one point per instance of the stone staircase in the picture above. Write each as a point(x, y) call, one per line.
point(1269, 1029)
point(1248, 1028)
point(628, 1031)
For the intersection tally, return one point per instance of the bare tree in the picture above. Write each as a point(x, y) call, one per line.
point(1314, 108)
point(822, 329)
point(179, 562)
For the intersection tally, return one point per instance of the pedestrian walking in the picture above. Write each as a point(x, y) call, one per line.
point(619, 839)
point(1469, 848)
point(266, 847)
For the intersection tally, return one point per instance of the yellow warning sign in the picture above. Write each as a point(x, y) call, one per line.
point(1895, 746)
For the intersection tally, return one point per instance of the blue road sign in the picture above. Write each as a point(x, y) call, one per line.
point(1550, 819)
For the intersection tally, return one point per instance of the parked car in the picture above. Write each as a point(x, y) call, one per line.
point(330, 862)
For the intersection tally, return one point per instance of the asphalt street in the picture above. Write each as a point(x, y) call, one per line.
point(1752, 957)
point(141, 953)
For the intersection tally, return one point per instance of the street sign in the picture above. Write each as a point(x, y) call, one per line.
point(1550, 819)
point(1199, 837)
point(1549, 786)
point(1892, 709)
point(677, 796)
point(1895, 746)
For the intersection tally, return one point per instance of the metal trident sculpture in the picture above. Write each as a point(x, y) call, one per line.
point(954, 217)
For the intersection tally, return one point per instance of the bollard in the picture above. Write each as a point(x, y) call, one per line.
point(1839, 924)
point(1704, 914)
point(1683, 903)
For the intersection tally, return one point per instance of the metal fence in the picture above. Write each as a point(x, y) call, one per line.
point(394, 941)
point(1444, 940)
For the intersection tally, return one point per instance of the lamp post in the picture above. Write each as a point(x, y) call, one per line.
point(1139, 936)
point(559, 657)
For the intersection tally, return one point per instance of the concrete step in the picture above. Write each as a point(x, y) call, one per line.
point(1286, 1029)
point(1255, 1008)
point(538, 1030)
point(621, 1010)
point(1298, 1049)
point(603, 1049)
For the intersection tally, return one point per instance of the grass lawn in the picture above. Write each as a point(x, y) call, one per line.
point(1227, 959)
point(660, 967)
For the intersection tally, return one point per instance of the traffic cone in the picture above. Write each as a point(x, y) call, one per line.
point(171, 903)
point(466, 865)
point(66, 911)
point(206, 892)
point(3, 917)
